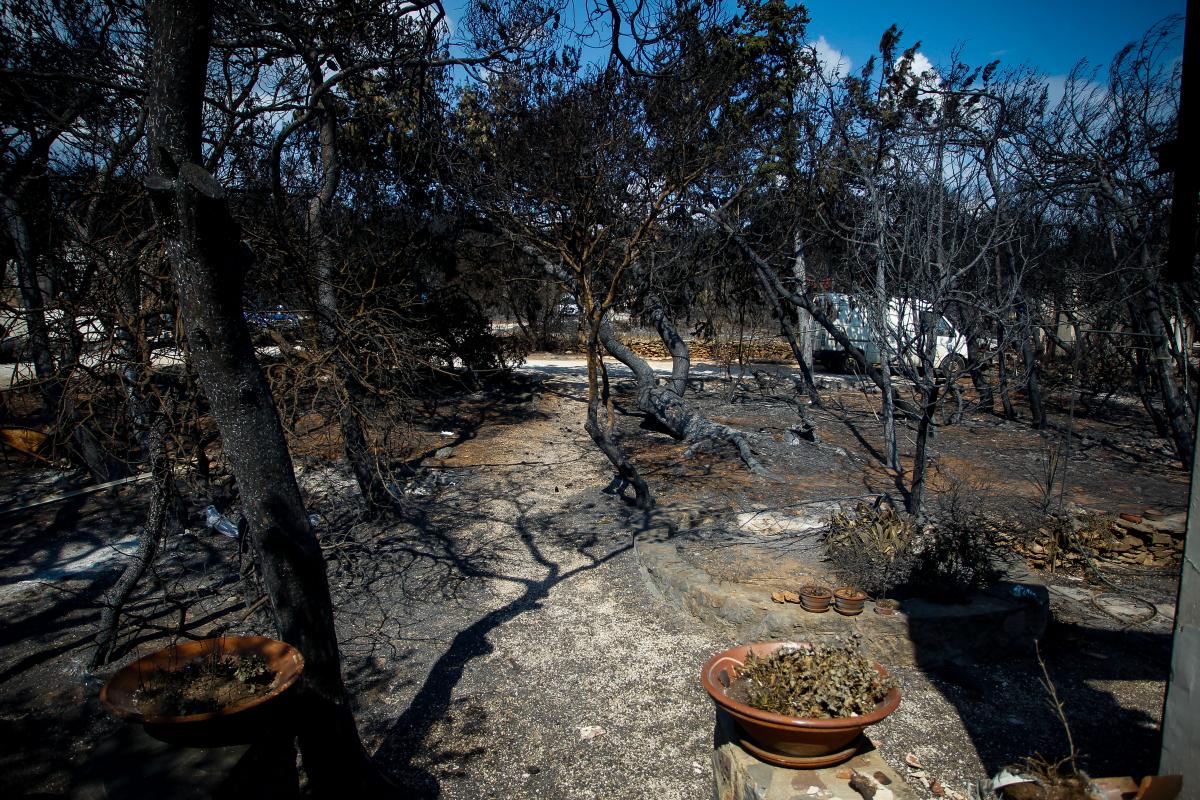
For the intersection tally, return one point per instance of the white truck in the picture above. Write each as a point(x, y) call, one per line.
point(909, 327)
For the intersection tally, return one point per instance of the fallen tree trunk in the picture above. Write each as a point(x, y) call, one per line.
point(677, 415)
point(681, 358)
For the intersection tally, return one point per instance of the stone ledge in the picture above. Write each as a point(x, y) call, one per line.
point(1004, 620)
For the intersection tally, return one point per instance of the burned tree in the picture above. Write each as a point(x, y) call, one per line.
point(208, 260)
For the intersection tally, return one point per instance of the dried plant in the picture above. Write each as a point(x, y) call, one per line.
point(814, 680)
point(880, 550)
point(871, 547)
point(1051, 780)
point(1047, 475)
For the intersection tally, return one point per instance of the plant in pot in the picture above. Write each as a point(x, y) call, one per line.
point(815, 598)
point(204, 692)
point(800, 704)
point(848, 601)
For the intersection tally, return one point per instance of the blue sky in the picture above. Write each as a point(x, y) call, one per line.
point(1051, 36)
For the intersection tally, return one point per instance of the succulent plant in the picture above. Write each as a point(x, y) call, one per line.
point(814, 680)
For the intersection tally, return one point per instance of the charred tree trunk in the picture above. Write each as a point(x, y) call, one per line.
point(803, 318)
point(1033, 383)
point(85, 449)
point(1143, 385)
point(681, 359)
point(976, 358)
point(601, 433)
point(354, 439)
point(1006, 403)
point(208, 261)
point(891, 445)
point(916, 495)
point(677, 415)
point(801, 350)
point(1149, 309)
point(987, 397)
point(802, 301)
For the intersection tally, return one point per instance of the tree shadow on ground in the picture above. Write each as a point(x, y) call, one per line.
point(1006, 709)
point(409, 734)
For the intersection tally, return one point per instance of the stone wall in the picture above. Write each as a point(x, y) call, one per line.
point(1148, 538)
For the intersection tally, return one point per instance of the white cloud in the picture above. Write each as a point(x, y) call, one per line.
point(834, 62)
point(922, 66)
point(925, 76)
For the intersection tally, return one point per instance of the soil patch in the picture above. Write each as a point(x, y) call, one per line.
point(515, 567)
point(203, 686)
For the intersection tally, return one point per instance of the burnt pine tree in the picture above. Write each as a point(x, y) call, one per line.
point(208, 261)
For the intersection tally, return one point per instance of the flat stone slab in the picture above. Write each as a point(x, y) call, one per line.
point(1003, 620)
point(738, 775)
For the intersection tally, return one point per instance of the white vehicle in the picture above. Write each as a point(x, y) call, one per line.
point(911, 326)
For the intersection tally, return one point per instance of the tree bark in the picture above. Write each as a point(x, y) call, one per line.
point(1149, 308)
point(801, 347)
point(916, 495)
point(354, 439)
point(1033, 383)
point(208, 262)
point(975, 359)
point(602, 434)
point(681, 359)
point(1002, 373)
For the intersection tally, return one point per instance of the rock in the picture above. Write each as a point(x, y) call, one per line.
point(785, 597)
point(589, 732)
point(1143, 529)
point(1175, 523)
point(1153, 514)
point(1162, 538)
point(444, 452)
point(1123, 608)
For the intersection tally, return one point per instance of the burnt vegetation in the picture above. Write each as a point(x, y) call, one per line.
point(246, 240)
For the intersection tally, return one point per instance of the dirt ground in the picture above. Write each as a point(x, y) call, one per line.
point(502, 642)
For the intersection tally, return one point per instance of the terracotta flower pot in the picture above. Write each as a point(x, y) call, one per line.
point(240, 721)
point(815, 599)
point(797, 742)
point(848, 601)
point(887, 607)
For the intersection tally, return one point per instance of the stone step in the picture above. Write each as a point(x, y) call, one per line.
point(738, 775)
